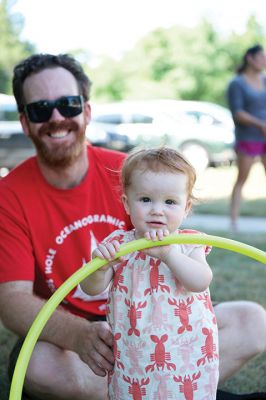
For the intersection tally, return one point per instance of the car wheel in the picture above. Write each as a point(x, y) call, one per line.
point(197, 155)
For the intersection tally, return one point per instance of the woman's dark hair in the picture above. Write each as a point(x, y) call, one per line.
point(252, 51)
point(39, 62)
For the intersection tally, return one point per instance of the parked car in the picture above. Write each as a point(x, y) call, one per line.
point(202, 131)
point(15, 147)
point(107, 135)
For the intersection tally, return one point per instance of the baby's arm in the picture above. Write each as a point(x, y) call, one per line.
point(98, 281)
point(192, 271)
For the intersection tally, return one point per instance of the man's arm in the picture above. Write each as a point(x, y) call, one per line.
point(91, 341)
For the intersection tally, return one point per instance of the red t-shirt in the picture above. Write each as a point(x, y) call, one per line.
point(48, 233)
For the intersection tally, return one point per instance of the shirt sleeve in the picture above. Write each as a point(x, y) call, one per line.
point(16, 252)
point(115, 235)
point(188, 248)
point(235, 97)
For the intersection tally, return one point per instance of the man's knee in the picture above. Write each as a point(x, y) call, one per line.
point(255, 325)
point(246, 320)
point(40, 383)
point(61, 374)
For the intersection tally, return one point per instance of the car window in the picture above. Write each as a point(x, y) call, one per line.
point(204, 118)
point(114, 119)
point(141, 119)
point(8, 112)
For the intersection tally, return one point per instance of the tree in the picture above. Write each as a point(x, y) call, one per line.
point(178, 62)
point(12, 49)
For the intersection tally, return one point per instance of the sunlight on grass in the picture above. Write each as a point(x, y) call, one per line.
point(213, 190)
point(217, 183)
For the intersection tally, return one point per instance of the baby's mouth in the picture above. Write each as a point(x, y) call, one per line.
point(159, 223)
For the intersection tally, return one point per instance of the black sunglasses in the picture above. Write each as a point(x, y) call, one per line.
point(41, 111)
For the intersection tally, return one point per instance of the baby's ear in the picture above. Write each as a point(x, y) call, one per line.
point(125, 203)
point(188, 206)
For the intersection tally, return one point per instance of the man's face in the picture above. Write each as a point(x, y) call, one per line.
point(60, 140)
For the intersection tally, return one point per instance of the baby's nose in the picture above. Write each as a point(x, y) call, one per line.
point(157, 208)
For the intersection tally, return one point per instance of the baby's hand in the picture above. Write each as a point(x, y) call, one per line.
point(107, 251)
point(155, 235)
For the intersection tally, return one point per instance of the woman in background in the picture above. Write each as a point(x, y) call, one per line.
point(247, 102)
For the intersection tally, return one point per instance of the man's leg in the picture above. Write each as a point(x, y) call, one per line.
point(242, 334)
point(55, 374)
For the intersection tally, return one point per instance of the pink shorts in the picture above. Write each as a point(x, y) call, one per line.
point(252, 149)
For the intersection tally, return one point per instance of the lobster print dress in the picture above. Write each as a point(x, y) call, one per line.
point(165, 338)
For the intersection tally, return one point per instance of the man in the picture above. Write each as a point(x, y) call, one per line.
point(54, 209)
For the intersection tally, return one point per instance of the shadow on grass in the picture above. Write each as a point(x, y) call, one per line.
point(251, 208)
point(7, 341)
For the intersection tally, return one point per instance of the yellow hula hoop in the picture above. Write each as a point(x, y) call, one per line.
point(50, 306)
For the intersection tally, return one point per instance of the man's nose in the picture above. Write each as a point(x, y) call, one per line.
point(56, 116)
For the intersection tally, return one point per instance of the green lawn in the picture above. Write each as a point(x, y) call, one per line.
point(239, 277)
point(250, 208)
point(6, 342)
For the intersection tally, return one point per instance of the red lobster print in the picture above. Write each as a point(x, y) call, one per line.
point(188, 386)
point(140, 256)
point(117, 237)
point(119, 279)
point(133, 314)
point(117, 353)
point(156, 280)
point(136, 389)
point(209, 349)
point(182, 310)
point(160, 356)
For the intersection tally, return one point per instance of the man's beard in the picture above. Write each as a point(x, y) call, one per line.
point(61, 156)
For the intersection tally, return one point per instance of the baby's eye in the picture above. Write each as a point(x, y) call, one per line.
point(145, 199)
point(169, 201)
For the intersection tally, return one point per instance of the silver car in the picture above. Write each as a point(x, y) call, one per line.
point(15, 147)
point(203, 132)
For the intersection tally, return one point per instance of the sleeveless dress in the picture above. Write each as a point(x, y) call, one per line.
point(165, 338)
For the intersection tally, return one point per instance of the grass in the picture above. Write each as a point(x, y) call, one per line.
point(238, 277)
point(235, 276)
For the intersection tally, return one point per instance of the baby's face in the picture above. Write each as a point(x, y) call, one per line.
point(157, 200)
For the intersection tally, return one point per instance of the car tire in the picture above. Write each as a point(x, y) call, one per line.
point(197, 155)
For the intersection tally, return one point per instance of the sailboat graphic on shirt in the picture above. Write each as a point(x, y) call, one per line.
point(79, 294)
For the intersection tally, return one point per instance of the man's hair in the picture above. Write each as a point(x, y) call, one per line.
point(158, 159)
point(39, 62)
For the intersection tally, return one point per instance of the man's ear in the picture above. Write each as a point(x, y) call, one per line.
point(87, 112)
point(24, 123)
point(125, 203)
